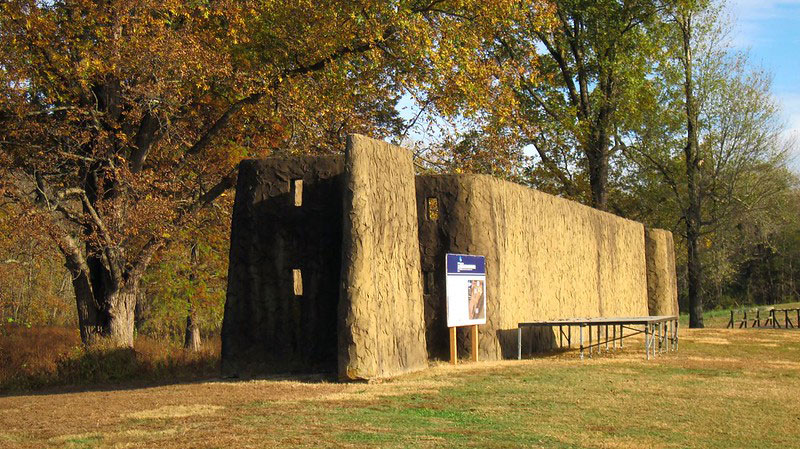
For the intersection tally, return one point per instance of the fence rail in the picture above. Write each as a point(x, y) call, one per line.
point(775, 319)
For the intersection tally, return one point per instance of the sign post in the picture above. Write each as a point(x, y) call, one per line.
point(466, 298)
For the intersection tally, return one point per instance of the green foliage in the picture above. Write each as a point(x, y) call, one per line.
point(744, 187)
point(191, 273)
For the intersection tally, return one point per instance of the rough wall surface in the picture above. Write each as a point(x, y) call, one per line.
point(662, 281)
point(381, 325)
point(267, 326)
point(546, 258)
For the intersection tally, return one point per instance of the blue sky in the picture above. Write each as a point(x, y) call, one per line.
point(770, 30)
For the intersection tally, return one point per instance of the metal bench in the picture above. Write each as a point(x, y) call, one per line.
point(660, 331)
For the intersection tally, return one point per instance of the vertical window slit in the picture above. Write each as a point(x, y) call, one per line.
point(433, 208)
point(428, 283)
point(297, 276)
point(296, 186)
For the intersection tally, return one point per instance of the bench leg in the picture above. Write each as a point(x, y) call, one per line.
point(614, 337)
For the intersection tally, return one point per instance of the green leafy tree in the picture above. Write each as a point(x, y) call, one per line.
point(710, 158)
point(596, 56)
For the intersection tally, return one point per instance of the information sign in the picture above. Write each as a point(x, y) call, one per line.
point(466, 290)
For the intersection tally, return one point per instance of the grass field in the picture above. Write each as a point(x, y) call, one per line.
point(722, 389)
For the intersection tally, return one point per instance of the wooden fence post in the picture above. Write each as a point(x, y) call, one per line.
point(474, 342)
point(453, 349)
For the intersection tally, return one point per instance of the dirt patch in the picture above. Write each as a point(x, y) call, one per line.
point(712, 359)
point(786, 364)
point(176, 411)
point(711, 340)
point(76, 437)
point(376, 391)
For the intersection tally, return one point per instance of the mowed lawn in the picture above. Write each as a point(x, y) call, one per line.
point(722, 389)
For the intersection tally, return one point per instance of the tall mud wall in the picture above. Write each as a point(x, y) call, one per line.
point(381, 327)
point(337, 264)
point(285, 267)
point(546, 258)
point(662, 282)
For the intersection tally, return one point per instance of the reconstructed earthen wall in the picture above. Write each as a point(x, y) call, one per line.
point(546, 258)
point(345, 270)
point(285, 267)
point(662, 282)
point(381, 328)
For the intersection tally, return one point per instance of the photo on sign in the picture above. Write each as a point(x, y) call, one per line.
point(477, 300)
point(465, 288)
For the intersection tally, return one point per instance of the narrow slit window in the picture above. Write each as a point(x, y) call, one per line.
point(428, 284)
point(297, 192)
point(433, 208)
point(297, 277)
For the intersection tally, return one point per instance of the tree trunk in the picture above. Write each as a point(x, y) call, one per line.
point(693, 209)
point(695, 276)
point(191, 340)
point(105, 309)
point(119, 331)
point(597, 157)
point(108, 319)
point(597, 153)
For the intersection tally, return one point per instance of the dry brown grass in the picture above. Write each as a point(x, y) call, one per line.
point(33, 358)
point(32, 355)
point(705, 395)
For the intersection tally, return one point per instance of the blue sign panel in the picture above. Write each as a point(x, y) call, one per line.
point(466, 264)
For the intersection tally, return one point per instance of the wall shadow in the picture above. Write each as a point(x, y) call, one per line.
point(536, 341)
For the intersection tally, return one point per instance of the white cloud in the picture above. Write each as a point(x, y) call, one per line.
point(791, 110)
point(751, 17)
point(770, 30)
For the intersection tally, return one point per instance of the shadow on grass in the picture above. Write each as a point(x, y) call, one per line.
point(124, 369)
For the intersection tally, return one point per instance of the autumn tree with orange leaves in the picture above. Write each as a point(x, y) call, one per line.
point(120, 121)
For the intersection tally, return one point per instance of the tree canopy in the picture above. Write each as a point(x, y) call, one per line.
point(122, 120)
point(122, 123)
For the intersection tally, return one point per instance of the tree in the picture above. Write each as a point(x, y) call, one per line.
point(122, 120)
point(721, 159)
point(184, 291)
point(34, 288)
point(594, 63)
point(684, 18)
